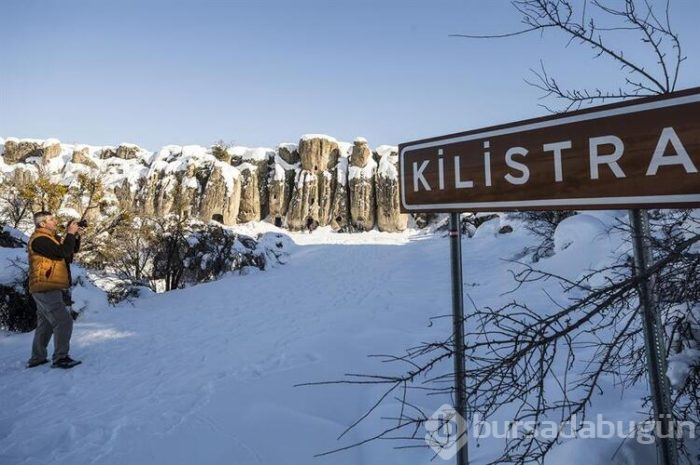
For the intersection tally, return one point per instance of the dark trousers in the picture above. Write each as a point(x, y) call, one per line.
point(52, 319)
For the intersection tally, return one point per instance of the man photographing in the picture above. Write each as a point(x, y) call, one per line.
point(49, 276)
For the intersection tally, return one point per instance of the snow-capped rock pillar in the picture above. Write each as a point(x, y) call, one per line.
point(253, 165)
point(389, 218)
point(361, 174)
point(311, 201)
point(281, 182)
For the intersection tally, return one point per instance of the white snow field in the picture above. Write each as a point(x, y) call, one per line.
point(206, 375)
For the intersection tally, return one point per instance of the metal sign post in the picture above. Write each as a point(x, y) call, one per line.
point(654, 341)
point(458, 336)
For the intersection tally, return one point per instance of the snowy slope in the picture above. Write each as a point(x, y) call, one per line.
point(207, 374)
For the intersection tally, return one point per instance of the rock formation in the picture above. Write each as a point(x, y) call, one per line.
point(361, 176)
point(18, 151)
point(280, 184)
point(81, 155)
point(340, 212)
point(314, 184)
point(127, 151)
point(387, 190)
point(317, 182)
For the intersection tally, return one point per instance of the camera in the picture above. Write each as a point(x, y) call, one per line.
point(83, 223)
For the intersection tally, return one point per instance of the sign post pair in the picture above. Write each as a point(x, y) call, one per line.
point(635, 155)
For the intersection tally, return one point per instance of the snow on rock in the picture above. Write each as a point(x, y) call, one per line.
point(25, 140)
point(229, 173)
point(344, 149)
point(288, 152)
point(366, 172)
point(388, 161)
point(117, 172)
point(342, 171)
point(194, 151)
point(278, 171)
point(304, 177)
point(49, 142)
point(309, 137)
point(387, 150)
point(84, 155)
point(291, 146)
point(133, 176)
point(193, 165)
point(252, 154)
point(285, 165)
point(247, 167)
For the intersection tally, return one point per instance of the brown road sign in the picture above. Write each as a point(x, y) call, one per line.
point(636, 154)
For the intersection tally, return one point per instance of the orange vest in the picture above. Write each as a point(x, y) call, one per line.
point(46, 274)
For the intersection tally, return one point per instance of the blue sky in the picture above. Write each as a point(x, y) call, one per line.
point(264, 72)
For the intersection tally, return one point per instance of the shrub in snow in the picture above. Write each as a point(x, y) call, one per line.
point(213, 251)
point(10, 238)
point(125, 291)
point(163, 254)
point(470, 223)
point(17, 308)
point(422, 220)
point(192, 253)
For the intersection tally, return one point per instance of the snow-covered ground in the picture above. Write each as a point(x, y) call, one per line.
point(207, 374)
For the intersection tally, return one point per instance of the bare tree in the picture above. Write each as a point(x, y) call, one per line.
point(592, 23)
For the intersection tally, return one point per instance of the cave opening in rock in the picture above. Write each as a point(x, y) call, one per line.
point(311, 224)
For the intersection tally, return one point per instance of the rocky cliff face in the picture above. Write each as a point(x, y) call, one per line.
point(317, 182)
